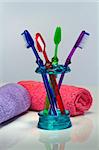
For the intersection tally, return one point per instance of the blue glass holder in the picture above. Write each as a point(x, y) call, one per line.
point(59, 69)
point(52, 122)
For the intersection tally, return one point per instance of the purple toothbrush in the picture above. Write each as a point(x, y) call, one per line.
point(79, 43)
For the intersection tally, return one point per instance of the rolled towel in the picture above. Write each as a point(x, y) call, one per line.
point(14, 100)
point(76, 100)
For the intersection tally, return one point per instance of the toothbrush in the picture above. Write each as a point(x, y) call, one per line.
point(41, 47)
point(47, 104)
point(57, 40)
point(79, 44)
point(30, 43)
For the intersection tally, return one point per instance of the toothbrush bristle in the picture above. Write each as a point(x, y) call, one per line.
point(26, 44)
point(84, 40)
point(28, 39)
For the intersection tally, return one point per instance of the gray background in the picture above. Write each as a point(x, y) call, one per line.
point(18, 63)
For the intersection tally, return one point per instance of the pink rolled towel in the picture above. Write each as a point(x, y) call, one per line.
point(76, 100)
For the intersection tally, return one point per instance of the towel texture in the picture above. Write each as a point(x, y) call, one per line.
point(14, 100)
point(76, 100)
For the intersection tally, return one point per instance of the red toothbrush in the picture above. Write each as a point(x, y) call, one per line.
point(41, 48)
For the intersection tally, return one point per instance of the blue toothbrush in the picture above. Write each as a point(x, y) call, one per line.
point(30, 43)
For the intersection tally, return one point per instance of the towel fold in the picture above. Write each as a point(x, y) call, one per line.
point(14, 100)
point(77, 100)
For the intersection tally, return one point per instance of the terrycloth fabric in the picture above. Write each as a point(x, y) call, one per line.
point(76, 100)
point(14, 100)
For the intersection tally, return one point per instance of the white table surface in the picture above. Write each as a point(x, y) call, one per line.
point(23, 134)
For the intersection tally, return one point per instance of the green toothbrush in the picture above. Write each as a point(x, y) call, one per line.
point(57, 40)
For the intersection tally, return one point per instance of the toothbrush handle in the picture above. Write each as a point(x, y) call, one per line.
point(61, 80)
point(67, 62)
point(47, 103)
point(49, 93)
point(57, 93)
point(70, 55)
point(55, 58)
point(56, 50)
point(45, 56)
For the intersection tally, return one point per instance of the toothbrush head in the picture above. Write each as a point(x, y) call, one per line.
point(82, 40)
point(40, 42)
point(57, 35)
point(28, 39)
